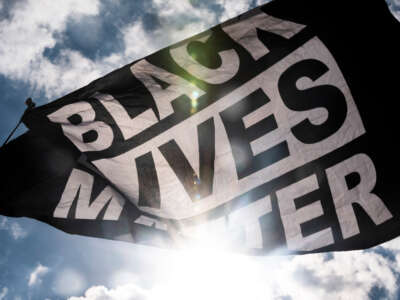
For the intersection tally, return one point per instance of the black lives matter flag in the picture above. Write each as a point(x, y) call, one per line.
point(274, 131)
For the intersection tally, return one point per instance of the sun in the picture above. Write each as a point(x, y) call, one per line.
point(206, 272)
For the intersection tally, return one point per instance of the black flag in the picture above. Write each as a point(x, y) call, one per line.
point(273, 131)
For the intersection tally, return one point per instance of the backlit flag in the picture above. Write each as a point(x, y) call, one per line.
point(275, 131)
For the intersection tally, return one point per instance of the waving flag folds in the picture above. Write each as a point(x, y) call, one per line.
point(273, 131)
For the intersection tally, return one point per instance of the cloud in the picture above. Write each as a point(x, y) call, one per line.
point(32, 28)
point(233, 8)
point(361, 274)
point(124, 292)
point(394, 6)
point(138, 42)
point(7, 6)
point(3, 293)
point(173, 23)
point(17, 231)
point(59, 47)
point(353, 273)
point(69, 282)
point(35, 276)
point(13, 228)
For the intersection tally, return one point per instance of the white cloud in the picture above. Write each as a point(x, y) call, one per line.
point(37, 25)
point(37, 274)
point(397, 14)
point(17, 231)
point(394, 6)
point(31, 29)
point(233, 8)
point(172, 8)
point(69, 282)
point(395, 2)
point(13, 228)
point(347, 273)
point(70, 71)
point(178, 20)
point(138, 43)
point(261, 2)
point(3, 293)
point(124, 292)
point(392, 245)
point(317, 276)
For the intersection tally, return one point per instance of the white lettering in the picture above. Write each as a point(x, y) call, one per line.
point(75, 132)
point(129, 127)
point(229, 66)
point(292, 218)
point(80, 184)
point(245, 31)
point(151, 222)
point(248, 218)
point(360, 194)
point(175, 203)
point(145, 71)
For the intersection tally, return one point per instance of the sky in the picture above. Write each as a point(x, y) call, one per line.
point(49, 48)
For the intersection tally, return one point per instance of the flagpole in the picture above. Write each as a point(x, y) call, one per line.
point(30, 105)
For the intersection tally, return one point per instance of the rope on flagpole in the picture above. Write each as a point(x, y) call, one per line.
point(30, 105)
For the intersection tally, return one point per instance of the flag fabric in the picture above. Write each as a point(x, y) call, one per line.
point(272, 132)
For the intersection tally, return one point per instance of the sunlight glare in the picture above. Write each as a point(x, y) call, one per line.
point(211, 273)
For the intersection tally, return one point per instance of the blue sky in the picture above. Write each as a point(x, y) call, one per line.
point(49, 48)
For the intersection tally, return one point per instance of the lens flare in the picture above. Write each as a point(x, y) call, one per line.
point(195, 95)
